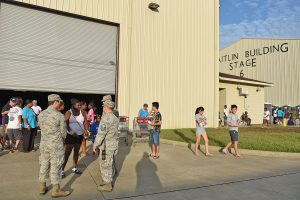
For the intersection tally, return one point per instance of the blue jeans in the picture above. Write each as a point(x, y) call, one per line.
point(154, 137)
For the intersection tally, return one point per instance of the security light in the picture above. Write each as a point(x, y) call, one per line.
point(153, 6)
point(258, 89)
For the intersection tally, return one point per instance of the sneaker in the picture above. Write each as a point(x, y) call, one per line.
point(76, 171)
point(62, 175)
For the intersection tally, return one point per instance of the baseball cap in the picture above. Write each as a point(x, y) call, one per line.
point(106, 98)
point(13, 99)
point(54, 97)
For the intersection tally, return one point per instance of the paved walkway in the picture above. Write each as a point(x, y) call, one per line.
point(178, 174)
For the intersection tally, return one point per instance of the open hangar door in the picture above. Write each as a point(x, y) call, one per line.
point(42, 98)
point(45, 51)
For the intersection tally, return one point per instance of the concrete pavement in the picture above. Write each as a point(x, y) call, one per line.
point(177, 174)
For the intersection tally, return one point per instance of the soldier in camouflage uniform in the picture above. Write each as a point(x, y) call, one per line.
point(107, 140)
point(109, 98)
point(53, 133)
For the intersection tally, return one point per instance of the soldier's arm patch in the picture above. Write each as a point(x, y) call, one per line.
point(103, 127)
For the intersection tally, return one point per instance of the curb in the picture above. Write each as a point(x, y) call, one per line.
point(242, 151)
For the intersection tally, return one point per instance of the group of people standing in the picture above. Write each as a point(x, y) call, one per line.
point(61, 134)
point(19, 122)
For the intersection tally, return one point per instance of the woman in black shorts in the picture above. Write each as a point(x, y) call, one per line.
point(77, 126)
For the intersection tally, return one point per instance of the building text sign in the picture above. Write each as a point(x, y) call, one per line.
point(250, 56)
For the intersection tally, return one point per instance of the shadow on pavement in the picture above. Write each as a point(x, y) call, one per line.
point(147, 178)
point(123, 152)
point(186, 139)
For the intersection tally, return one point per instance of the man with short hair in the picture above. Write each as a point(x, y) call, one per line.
point(233, 123)
point(4, 113)
point(225, 112)
point(14, 127)
point(36, 109)
point(107, 140)
point(266, 118)
point(143, 112)
point(53, 133)
point(155, 123)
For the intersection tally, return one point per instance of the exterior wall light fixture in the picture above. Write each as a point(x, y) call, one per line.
point(154, 7)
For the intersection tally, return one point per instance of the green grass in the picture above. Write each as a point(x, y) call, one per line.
point(280, 139)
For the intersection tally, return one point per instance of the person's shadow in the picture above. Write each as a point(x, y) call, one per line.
point(123, 151)
point(186, 139)
point(147, 179)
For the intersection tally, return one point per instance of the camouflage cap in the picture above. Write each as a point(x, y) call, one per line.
point(109, 104)
point(54, 97)
point(106, 98)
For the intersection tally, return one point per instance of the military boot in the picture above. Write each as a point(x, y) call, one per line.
point(107, 187)
point(43, 188)
point(57, 192)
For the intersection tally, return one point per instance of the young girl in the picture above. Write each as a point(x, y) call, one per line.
point(94, 129)
point(200, 130)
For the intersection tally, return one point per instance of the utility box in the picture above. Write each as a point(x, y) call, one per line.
point(243, 92)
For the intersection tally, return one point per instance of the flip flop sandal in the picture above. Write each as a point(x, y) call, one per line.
point(224, 152)
point(156, 157)
point(150, 155)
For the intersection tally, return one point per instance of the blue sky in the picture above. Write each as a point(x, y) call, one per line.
point(258, 18)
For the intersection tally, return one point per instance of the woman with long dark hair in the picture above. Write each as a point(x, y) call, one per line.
point(77, 126)
point(201, 122)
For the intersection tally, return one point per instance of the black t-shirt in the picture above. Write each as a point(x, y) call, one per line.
point(7, 107)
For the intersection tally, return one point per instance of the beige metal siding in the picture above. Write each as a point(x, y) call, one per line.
point(170, 56)
point(280, 68)
point(254, 103)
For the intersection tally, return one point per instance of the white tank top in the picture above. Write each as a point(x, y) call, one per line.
point(76, 123)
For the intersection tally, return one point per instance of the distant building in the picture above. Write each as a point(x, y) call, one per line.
point(270, 60)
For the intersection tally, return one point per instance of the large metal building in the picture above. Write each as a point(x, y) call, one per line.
point(269, 60)
point(118, 47)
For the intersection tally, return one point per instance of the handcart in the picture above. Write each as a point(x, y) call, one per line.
point(140, 129)
point(124, 128)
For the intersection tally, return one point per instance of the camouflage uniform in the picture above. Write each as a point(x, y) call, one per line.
point(53, 133)
point(108, 135)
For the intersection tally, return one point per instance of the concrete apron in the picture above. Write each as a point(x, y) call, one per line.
point(176, 169)
point(242, 151)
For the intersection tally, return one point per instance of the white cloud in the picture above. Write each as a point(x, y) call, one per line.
point(277, 19)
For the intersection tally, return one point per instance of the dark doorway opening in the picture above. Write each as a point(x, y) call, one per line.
point(42, 98)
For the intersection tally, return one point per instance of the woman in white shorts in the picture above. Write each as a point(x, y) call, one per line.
point(200, 130)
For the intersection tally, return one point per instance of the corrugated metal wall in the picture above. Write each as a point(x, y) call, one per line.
point(170, 56)
point(280, 68)
point(44, 56)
